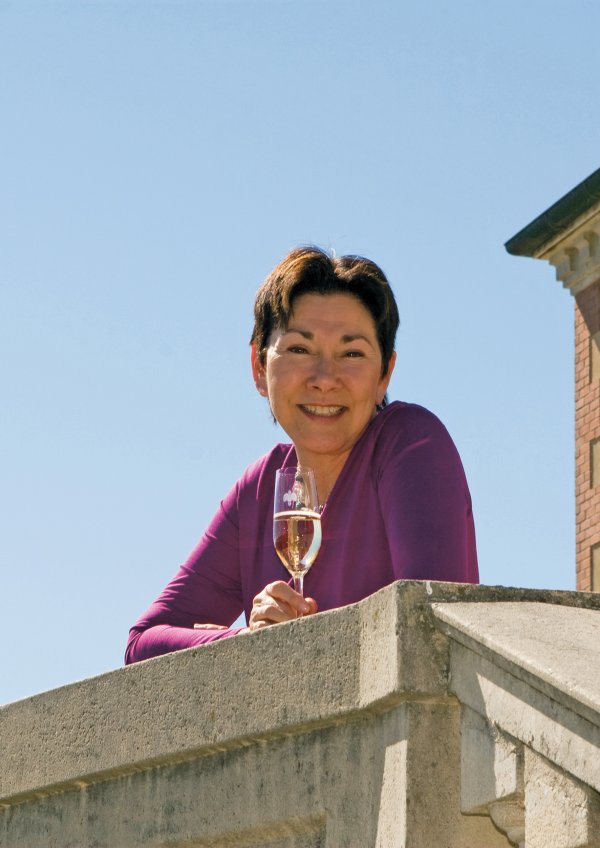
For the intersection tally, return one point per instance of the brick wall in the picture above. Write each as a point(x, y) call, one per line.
point(587, 436)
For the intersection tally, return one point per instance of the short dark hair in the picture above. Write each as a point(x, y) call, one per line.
point(310, 270)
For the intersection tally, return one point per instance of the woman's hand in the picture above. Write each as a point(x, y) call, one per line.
point(279, 602)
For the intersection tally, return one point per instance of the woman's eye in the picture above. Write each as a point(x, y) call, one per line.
point(297, 349)
point(354, 354)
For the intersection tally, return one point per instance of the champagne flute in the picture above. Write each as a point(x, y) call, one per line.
point(296, 521)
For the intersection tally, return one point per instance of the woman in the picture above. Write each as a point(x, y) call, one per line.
point(395, 502)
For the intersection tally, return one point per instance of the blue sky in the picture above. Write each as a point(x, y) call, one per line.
point(156, 160)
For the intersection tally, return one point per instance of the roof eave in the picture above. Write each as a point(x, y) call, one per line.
point(531, 240)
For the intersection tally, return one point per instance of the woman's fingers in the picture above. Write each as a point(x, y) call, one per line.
point(313, 606)
point(288, 597)
point(278, 602)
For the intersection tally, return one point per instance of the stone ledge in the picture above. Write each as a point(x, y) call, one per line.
point(551, 647)
point(506, 665)
point(523, 713)
point(323, 670)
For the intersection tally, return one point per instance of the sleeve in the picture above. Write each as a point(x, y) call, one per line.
point(206, 589)
point(426, 506)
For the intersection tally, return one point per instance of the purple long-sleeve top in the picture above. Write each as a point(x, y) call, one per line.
point(400, 509)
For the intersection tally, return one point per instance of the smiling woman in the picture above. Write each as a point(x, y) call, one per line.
point(324, 378)
point(391, 487)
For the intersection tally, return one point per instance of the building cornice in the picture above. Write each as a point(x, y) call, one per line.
point(567, 235)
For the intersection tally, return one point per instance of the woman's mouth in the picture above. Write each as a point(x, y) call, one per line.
point(322, 411)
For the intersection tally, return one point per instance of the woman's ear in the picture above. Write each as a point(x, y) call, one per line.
point(385, 381)
point(258, 371)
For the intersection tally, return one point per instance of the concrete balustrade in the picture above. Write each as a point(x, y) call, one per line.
point(429, 715)
point(528, 677)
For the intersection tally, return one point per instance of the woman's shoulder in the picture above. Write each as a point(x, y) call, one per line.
point(265, 465)
point(256, 482)
point(408, 433)
point(406, 420)
point(402, 427)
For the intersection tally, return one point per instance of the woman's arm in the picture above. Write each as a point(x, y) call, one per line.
point(206, 589)
point(426, 506)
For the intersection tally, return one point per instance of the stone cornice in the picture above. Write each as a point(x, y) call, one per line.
point(575, 254)
point(567, 235)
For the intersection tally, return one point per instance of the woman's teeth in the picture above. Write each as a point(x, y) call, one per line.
point(325, 411)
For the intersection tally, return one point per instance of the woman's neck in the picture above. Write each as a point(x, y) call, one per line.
point(327, 469)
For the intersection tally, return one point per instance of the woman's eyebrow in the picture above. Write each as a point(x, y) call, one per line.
point(356, 337)
point(347, 338)
point(305, 333)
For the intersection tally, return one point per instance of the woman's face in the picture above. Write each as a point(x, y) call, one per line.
point(322, 375)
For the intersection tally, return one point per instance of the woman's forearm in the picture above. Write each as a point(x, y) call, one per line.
point(165, 638)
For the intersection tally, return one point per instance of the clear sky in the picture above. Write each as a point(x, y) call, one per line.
point(156, 160)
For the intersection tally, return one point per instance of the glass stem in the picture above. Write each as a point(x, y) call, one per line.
point(299, 587)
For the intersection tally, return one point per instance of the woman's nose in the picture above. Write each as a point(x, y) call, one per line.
point(325, 373)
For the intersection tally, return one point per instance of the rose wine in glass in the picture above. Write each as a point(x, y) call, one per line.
point(296, 521)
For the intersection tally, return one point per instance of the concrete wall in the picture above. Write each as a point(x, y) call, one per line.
point(422, 717)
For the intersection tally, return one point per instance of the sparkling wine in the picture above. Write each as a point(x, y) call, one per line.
point(297, 538)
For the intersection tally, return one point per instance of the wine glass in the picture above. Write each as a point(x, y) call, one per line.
point(296, 521)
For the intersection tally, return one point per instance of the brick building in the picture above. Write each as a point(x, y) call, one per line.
point(568, 236)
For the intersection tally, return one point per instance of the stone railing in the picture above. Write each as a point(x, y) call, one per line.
point(429, 715)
